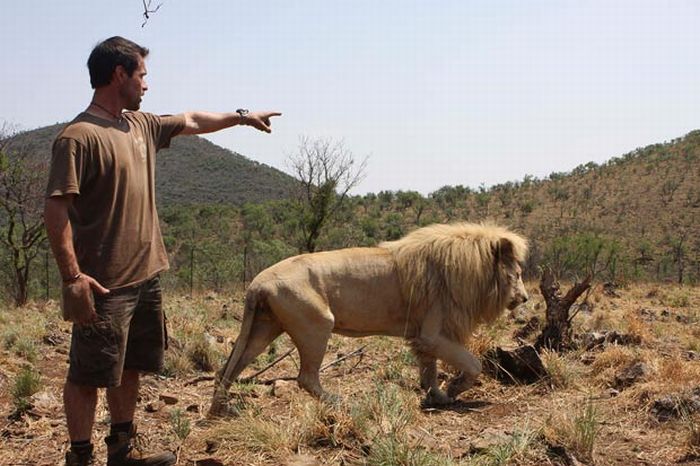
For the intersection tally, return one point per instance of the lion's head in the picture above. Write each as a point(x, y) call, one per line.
point(471, 270)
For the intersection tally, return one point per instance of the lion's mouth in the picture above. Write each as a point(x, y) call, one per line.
point(515, 303)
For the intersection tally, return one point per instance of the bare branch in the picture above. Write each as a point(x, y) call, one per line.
point(147, 11)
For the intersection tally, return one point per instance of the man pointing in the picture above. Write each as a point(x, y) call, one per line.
point(101, 220)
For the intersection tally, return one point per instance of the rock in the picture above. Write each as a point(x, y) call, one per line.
point(630, 375)
point(207, 462)
point(691, 355)
point(283, 388)
point(673, 406)
point(43, 403)
point(647, 314)
point(609, 289)
point(154, 406)
point(525, 331)
point(559, 451)
point(194, 408)
point(168, 399)
point(212, 446)
point(303, 460)
point(489, 438)
point(599, 340)
point(53, 339)
point(521, 365)
point(587, 358)
point(612, 393)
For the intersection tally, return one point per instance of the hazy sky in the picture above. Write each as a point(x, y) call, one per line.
point(434, 92)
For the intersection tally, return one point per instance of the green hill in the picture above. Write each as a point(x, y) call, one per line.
point(194, 171)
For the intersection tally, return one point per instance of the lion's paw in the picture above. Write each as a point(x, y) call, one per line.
point(459, 384)
point(435, 398)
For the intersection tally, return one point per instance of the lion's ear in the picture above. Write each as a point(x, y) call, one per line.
point(503, 251)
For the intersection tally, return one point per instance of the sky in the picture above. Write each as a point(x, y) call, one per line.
point(433, 93)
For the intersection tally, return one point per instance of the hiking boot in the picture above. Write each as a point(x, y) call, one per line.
point(84, 458)
point(123, 451)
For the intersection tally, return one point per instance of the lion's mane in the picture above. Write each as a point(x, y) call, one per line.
point(456, 266)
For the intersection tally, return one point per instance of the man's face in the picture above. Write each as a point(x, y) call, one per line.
point(133, 88)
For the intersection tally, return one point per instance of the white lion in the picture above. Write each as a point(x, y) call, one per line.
point(432, 287)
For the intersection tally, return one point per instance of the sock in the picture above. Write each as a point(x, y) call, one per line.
point(81, 447)
point(121, 427)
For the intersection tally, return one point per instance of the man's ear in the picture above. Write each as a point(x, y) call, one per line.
point(119, 75)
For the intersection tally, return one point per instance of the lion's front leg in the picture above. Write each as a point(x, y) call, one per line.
point(457, 356)
point(427, 370)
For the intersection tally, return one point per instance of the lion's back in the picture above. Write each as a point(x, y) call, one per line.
point(360, 286)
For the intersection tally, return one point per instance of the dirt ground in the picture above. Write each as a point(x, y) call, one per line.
point(632, 398)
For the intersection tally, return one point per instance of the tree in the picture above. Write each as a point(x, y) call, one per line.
point(21, 202)
point(326, 172)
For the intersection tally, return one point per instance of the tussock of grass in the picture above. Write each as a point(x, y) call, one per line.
point(613, 356)
point(271, 438)
point(203, 355)
point(578, 433)
point(177, 364)
point(677, 298)
point(394, 451)
point(179, 424)
point(518, 449)
point(26, 383)
point(561, 371)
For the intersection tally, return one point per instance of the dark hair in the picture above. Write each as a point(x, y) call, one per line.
point(114, 51)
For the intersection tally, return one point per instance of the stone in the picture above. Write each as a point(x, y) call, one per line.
point(212, 446)
point(208, 462)
point(283, 388)
point(520, 365)
point(193, 408)
point(168, 399)
point(630, 375)
point(674, 406)
point(154, 406)
point(489, 438)
point(303, 460)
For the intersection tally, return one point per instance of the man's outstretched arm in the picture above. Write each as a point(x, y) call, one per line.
point(208, 122)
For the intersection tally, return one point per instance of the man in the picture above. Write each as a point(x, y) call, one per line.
point(103, 228)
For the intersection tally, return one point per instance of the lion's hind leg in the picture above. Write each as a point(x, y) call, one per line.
point(309, 322)
point(265, 328)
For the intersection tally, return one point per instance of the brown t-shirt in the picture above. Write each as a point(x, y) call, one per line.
point(110, 166)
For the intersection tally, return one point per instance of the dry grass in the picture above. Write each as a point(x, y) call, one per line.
point(378, 420)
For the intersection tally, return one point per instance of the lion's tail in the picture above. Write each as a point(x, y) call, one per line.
point(230, 371)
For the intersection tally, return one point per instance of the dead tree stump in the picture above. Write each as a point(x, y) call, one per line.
point(556, 333)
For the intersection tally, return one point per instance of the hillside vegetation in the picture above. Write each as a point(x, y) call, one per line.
point(225, 217)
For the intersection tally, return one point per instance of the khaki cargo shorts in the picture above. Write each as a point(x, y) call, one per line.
point(130, 333)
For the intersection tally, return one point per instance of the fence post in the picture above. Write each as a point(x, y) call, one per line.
point(48, 281)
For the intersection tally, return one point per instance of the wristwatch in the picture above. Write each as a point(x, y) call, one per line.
point(243, 112)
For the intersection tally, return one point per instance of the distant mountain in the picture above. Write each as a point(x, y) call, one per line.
point(194, 171)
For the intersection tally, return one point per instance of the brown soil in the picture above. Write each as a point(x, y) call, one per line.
point(279, 424)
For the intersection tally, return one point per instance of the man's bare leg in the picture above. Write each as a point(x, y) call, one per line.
point(79, 402)
point(122, 399)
